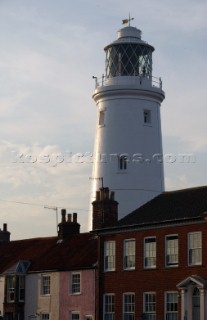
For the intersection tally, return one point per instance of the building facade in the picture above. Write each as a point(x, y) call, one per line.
point(77, 295)
point(153, 263)
point(50, 278)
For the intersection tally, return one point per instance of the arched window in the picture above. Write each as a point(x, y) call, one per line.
point(123, 162)
point(101, 118)
point(196, 292)
point(196, 304)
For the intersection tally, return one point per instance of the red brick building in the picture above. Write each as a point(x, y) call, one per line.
point(153, 262)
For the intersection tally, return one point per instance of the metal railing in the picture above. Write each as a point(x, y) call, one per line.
point(140, 79)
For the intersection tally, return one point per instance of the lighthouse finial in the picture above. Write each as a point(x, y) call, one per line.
point(124, 21)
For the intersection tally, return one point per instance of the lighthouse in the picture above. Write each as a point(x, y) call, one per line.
point(127, 155)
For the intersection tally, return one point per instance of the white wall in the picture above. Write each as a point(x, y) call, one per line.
point(2, 281)
point(35, 303)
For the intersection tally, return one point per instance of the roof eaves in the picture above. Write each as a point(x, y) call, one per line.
point(146, 224)
point(63, 269)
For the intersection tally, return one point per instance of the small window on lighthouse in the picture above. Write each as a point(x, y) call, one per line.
point(101, 118)
point(147, 116)
point(122, 163)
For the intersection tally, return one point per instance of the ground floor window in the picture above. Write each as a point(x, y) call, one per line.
point(109, 304)
point(171, 306)
point(9, 316)
point(129, 306)
point(149, 306)
point(45, 316)
point(75, 315)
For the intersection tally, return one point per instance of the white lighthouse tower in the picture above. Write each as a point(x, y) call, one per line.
point(128, 141)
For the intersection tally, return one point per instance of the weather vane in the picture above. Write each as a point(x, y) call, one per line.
point(124, 21)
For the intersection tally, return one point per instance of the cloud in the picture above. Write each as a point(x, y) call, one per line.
point(41, 184)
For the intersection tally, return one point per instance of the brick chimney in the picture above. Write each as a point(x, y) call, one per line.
point(105, 209)
point(4, 234)
point(68, 227)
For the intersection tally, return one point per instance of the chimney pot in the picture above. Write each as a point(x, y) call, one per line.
point(105, 209)
point(69, 217)
point(112, 195)
point(98, 196)
point(106, 193)
point(4, 234)
point(63, 212)
point(75, 216)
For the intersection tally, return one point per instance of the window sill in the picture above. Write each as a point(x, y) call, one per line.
point(150, 268)
point(75, 293)
point(172, 266)
point(195, 265)
point(129, 269)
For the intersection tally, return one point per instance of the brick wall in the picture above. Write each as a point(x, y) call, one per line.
point(160, 279)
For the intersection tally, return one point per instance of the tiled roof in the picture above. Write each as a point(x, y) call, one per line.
point(78, 251)
point(170, 206)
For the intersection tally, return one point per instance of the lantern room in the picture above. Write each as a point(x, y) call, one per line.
point(129, 55)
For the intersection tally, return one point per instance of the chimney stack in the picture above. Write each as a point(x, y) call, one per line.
point(4, 234)
point(69, 217)
point(63, 213)
point(69, 227)
point(105, 209)
point(75, 217)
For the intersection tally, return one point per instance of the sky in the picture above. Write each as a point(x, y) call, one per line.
point(49, 51)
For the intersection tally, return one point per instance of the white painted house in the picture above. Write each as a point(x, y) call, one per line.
point(42, 296)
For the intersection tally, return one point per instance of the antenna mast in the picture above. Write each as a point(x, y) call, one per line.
point(56, 210)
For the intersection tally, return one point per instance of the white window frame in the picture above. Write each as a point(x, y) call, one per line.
point(88, 317)
point(74, 314)
point(10, 282)
point(129, 254)
point(149, 307)
point(21, 288)
point(150, 256)
point(171, 312)
point(109, 255)
point(75, 283)
point(45, 287)
point(130, 313)
point(195, 249)
point(109, 308)
point(171, 250)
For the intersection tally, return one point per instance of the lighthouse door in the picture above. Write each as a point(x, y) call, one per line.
point(196, 304)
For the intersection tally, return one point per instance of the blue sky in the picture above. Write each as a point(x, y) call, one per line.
point(49, 51)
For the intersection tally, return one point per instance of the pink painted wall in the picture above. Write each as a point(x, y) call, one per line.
point(83, 302)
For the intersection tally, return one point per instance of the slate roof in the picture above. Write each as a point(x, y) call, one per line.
point(77, 252)
point(170, 206)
